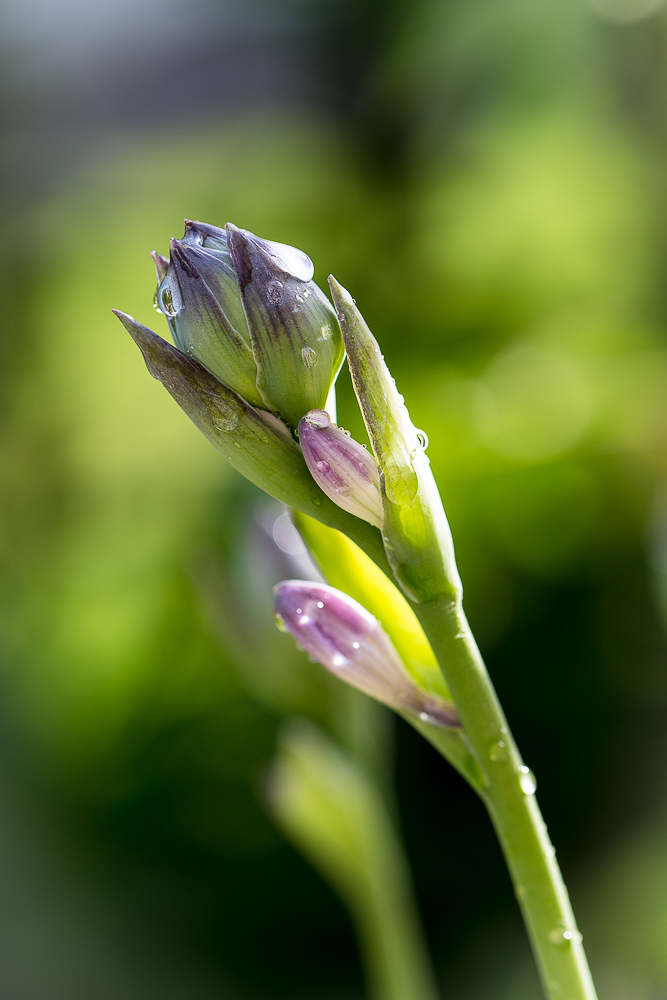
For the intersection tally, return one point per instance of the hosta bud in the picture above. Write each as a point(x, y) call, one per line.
point(350, 643)
point(199, 295)
point(248, 309)
point(341, 467)
point(295, 336)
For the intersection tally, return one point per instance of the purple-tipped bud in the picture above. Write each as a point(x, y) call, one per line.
point(341, 467)
point(347, 640)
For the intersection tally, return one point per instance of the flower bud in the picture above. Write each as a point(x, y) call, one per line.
point(249, 311)
point(294, 332)
point(350, 643)
point(341, 467)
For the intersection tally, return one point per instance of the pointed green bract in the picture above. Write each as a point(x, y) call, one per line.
point(415, 531)
point(295, 336)
point(257, 444)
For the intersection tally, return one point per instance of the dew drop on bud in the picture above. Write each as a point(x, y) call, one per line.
point(279, 622)
point(274, 293)
point(309, 357)
point(167, 302)
point(323, 467)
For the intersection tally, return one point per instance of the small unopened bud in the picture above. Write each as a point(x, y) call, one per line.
point(341, 467)
point(350, 643)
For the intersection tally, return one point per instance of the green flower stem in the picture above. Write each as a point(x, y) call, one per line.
point(507, 794)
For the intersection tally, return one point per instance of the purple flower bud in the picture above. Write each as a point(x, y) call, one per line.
point(341, 467)
point(350, 642)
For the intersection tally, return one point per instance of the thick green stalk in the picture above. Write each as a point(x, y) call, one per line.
point(510, 799)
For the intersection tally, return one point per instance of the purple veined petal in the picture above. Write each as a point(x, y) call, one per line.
point(349, 642)
point(289, 259)
point(341, 467)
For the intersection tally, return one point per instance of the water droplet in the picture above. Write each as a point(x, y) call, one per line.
point(325, 332)
point(317, 501)
point(318, 418)
point(422, 437)
point(299, 611)
point(562, 938)
point(309, 357)
point(355, 645)
point(320, 604)
point(323, 467)
point(498, 751)
point(275, 293)
point(279, 622)
point(400, 483)
point(167, 302)
point(225, 421)
point(527, 780)
point(550, 852)
point(289, 259)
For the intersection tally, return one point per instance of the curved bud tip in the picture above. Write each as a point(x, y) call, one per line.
point(349, 642)
point(161, 265)
point(246, 248)
point(341, 467)
point(295, 337)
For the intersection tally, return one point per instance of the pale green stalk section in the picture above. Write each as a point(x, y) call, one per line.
point(538, 883)
point(328, 804)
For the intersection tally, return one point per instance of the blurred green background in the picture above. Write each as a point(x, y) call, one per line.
point(487, 178)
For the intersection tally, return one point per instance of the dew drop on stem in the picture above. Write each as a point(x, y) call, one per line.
point(225, 421)
point(498, 751)
point(527, 780)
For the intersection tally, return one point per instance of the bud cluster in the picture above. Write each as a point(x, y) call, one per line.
point(248, 309)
